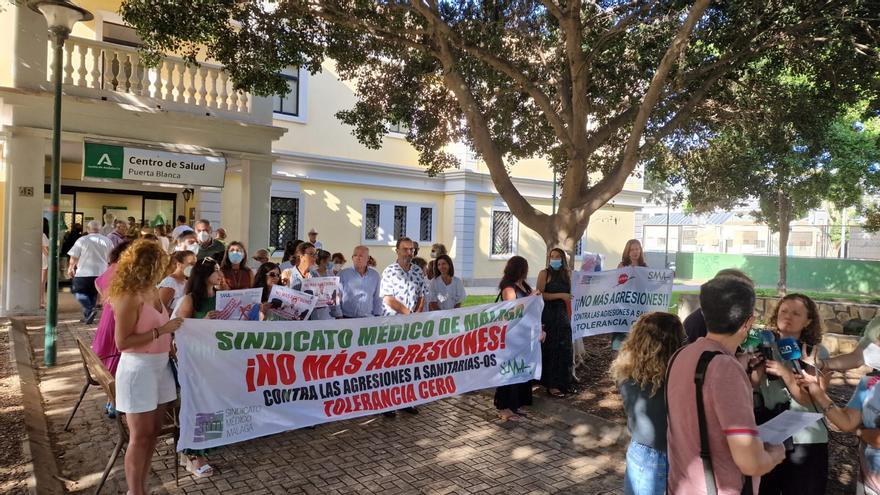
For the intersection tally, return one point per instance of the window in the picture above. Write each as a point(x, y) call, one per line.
point(399, 221)
point(689, 236)
point(426, 224)
point(579, 247)
point(398, 127)
point(750, 237)
point(502, 233)
point(387, 221)
point(371, 224)
point(288, 104)
point(119, 34)
point(283, 222)
point(801, 239)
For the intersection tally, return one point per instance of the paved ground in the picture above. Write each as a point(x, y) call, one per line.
point(454, 446)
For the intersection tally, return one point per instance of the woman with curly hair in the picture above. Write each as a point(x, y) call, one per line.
point(805, 469)
point(144, 380)
point(640, 372)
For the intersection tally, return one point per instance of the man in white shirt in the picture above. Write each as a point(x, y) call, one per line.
point(88, 260)
point(313, 238)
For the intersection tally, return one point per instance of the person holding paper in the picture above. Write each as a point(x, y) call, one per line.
point(633, 255)
point(306, 256)
point(200, 302)
point(860, 416)
point(723, 402)
point(268, 275)
point(234, 267)
point(805, 469)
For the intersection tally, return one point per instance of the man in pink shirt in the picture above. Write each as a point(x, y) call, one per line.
point(735, 449)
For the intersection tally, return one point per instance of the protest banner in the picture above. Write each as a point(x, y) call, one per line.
point(611, 301)
point(243, 304)
point(241, 380)
point(295, 305)
point(326, 289)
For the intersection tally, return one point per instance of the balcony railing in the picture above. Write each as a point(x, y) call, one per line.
point(108, 71)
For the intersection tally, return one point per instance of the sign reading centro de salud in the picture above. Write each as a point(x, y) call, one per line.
point(107, 161)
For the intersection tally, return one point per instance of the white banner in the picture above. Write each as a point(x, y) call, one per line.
point(605, 302)
point(326, 289)
point(292, 304)
point(241, 380)
point(242, 304)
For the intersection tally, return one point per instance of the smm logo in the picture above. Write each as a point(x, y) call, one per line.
point(209, 426)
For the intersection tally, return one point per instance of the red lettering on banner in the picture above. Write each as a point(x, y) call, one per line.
point(378, 361)
point(378, 399)
point(437, 387)
point(266, 367)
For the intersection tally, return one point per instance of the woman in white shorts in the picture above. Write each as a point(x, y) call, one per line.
point(144, 381)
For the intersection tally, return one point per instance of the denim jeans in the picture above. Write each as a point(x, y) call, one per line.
point(84, 291)
point(646, 470)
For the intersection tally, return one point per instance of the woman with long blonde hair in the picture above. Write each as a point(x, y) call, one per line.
point(144, 381)
point(640, 374)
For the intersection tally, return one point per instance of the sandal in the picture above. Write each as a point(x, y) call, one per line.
point(203, 471)
point(558, 393)
point(512, 416)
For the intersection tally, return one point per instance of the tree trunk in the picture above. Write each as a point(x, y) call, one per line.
point(784, 219)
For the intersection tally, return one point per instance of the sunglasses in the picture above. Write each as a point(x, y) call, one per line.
point(273, 275)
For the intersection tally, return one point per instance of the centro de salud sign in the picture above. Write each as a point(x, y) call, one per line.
point(108, 161)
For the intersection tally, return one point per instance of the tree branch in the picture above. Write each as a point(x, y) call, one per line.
point(613, 183)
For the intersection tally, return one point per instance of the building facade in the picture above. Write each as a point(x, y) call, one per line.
point(266, 169)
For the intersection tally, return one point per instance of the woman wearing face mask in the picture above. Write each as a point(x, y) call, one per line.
point(805, 469)
point(234, 267)
point(306, 256)
point(323, 265)
point(171, 288)
point(200, 302)
point(554, 283)
point(437, 250)
point(337, 262)
point(187, 241)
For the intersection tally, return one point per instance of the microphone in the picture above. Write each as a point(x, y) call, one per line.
point(752, 342)
point(790, 351)
point(768, 340)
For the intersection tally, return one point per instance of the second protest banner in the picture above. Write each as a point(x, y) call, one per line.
point(241, 380)
point(611, 301)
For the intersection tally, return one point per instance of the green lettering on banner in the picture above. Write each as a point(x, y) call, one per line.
point(103, 161)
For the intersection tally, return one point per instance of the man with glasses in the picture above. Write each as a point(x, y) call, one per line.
point(208, 245)
point(403, 288)
point(360, 287)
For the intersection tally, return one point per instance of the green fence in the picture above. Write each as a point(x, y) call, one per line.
point(816, 274)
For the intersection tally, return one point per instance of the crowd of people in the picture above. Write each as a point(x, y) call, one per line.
point(694, 393)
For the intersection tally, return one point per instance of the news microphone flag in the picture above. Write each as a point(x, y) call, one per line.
point(790, 351)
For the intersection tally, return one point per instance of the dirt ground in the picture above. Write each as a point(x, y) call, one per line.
point(599, 396)
point(13, 473)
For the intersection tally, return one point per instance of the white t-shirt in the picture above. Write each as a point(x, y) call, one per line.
point(45, 256)
point(93, 250)
point(446, 296)
point(172, 283)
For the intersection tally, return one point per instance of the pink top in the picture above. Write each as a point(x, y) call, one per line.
point(104, 343)
point(149, 319)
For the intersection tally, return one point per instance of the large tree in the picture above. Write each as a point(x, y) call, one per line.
point(591, 86)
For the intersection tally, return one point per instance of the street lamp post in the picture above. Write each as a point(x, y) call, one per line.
point(60, 17)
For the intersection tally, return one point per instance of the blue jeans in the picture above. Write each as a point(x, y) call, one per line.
point(84, 291)
point(646, 470)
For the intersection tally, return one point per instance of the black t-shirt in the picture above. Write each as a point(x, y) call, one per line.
point(695, 326)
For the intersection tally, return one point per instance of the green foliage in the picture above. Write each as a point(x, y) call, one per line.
point(592, 86)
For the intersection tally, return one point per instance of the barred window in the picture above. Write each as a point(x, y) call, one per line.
point(371, 222)
point(427, 220)
point(283, 221)
point(502, 233)
point(399, 221)
point(398, 127)
point(579, 247)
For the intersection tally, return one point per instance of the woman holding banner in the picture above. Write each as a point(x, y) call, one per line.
point(639, 371)
point(306, 256)
point(513, 285)
point(268, 275)
point(557, 354)
point(144, 379)
point(632, 256)
point(200, 302)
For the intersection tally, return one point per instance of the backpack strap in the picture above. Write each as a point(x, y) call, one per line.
point(705, 454)
point(666, 393)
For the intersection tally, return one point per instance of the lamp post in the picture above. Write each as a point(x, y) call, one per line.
point(187, 195)
point(60, 16)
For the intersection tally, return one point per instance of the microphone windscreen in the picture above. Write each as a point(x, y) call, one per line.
point(789, 349)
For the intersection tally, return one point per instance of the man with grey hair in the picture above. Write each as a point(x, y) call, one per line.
point(88, 260)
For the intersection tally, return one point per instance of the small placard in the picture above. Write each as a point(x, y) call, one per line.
point(27, 192)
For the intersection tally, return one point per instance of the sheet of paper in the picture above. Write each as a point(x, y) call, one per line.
point(778, 429)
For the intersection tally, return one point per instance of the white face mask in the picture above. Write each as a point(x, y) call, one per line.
point(187, 271)
point(871, 355)
point(203, 236)
point(193, 248)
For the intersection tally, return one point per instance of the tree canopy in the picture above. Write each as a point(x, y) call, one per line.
point(591, 86)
